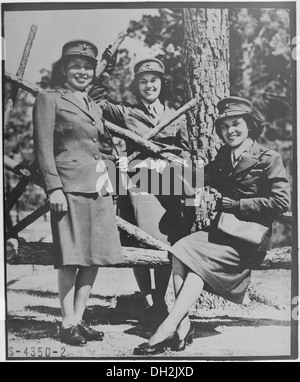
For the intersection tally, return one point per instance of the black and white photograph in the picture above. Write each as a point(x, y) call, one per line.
point(149, 183)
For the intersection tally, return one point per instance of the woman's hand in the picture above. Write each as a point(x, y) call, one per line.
point(122, 163)
point(228, 204)
point(58, 201)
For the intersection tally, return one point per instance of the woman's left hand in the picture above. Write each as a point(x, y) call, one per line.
point(122, 164)
point(228, 204)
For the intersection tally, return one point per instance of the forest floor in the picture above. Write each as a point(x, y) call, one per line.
point(259, 328)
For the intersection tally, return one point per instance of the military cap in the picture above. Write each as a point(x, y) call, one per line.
point(149, 65)
point(232, 106)
point(80, 48)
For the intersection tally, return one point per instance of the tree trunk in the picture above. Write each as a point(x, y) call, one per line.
point(206, 60)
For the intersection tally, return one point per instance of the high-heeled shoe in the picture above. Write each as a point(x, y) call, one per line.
point(180, 345)
point(160, 347)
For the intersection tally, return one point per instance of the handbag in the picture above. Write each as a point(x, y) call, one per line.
point(250, 232)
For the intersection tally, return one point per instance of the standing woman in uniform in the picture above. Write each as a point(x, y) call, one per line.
point(67, 136)
point(158, 215)
point(254, 188)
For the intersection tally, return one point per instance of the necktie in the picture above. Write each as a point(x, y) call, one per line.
point(234, 160)
point(152, 110)
point(86, 103)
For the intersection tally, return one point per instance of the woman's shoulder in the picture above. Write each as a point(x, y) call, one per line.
point(266, 152)
point(48, 98)
point(49, 93)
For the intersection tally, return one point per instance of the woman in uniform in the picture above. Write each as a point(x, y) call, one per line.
point(254, 188)
point(68, 130)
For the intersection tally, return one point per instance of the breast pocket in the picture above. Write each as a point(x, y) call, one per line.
point(66, 163)
point(67, 121)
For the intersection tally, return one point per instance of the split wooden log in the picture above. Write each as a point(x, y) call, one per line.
point(15, 194)
point(157, 129)
point(22, 171)
point(23, 84)
point(140, 236)
point(115, 46)
point(20, 74)
point(38, 253)
point(145, 145)
point(42, 210)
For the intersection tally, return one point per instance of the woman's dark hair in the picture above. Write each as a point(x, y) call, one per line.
point(254, 124)
point(166, 87)
point(58, 78)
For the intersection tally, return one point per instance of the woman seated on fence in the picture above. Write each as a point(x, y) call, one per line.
point(68, 132)
point(254, 188)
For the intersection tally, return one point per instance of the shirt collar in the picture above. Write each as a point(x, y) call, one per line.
point(78, 94)
point(238, 151)
point(155, 108)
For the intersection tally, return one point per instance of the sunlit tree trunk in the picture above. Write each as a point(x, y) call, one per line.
point(206, 61)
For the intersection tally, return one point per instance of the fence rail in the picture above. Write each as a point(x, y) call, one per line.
point(39, 253)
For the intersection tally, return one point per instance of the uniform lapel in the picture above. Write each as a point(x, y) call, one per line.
point(94, 108)
point(248, 159)
point(224, 160)
point(166, 114)
point(70, 97)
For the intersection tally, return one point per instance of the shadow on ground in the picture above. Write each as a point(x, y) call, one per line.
point(122, 310)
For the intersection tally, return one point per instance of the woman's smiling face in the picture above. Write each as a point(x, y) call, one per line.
point(234, 130)
point(149, 87)
point(79, 72)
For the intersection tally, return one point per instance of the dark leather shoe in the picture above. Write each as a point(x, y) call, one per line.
point(88, 333)
point(160, 347)
point(180, 345)
point(71, 336)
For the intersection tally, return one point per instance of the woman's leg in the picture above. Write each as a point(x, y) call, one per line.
point(84, 282)
point(143, 278)
point(66, 288)
point(161, 277)
point(189, 293)
point(180, 272)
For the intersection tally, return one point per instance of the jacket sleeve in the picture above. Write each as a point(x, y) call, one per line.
point(126, 117)
point(44, 111)
point(277, 187)
point(113, 113)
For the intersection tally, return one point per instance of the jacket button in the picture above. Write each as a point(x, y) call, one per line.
point(93, 123)
point(96, 157)
point(94, 140)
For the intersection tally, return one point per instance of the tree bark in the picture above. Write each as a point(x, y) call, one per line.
point(206, 60)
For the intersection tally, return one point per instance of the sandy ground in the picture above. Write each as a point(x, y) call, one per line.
point(227, 330)
point(256, 329)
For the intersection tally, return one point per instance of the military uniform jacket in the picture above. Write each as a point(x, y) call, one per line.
point(258, 181)
point(138, 119)
point(67, 140)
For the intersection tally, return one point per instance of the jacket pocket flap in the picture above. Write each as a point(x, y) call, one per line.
point(69, 110)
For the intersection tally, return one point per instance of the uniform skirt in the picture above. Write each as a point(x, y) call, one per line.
point(223, 268)
point(87, 234)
